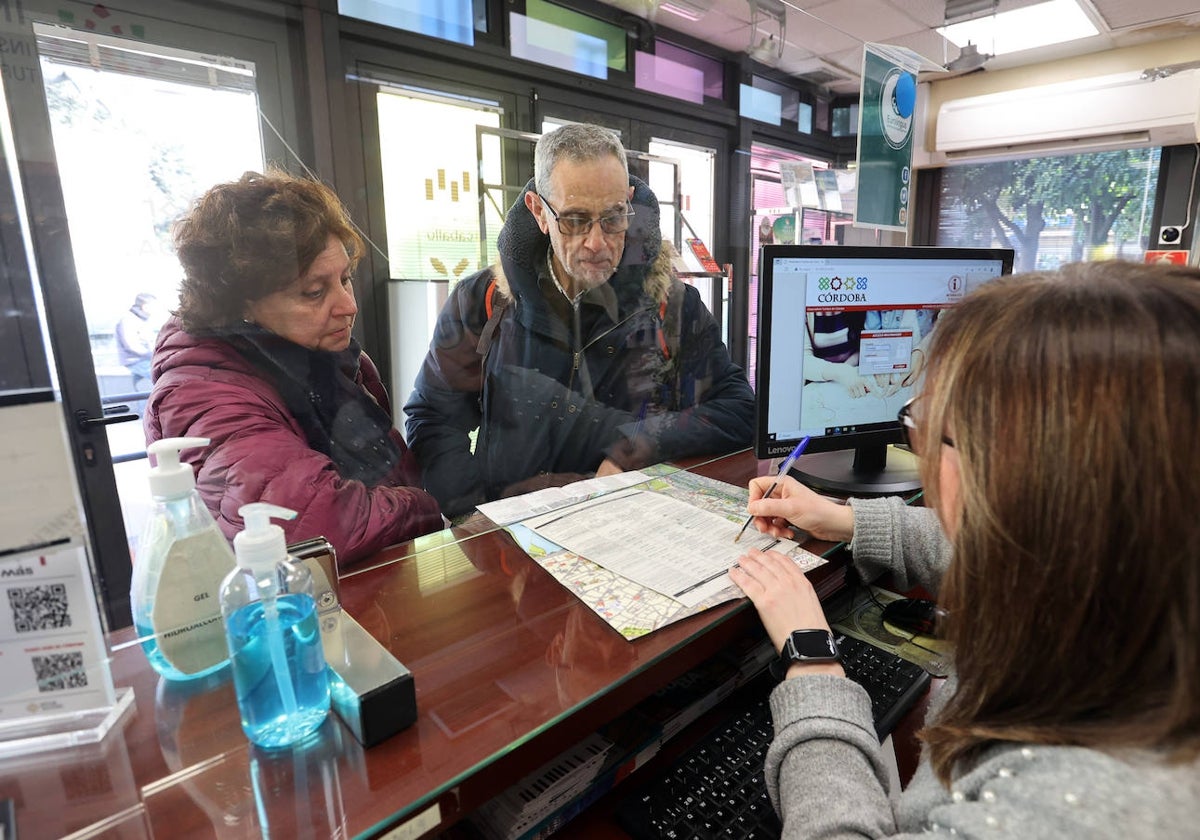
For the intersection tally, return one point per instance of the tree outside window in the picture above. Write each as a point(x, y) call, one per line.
point(1053, 210)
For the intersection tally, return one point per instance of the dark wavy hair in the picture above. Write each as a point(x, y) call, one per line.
point(1073, 398)
point(248, 238)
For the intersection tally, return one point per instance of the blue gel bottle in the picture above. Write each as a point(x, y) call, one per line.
point(273, 635)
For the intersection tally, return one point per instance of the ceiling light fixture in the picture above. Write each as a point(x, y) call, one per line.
point(969, 58)
point(687, 9)
point(769, 48)
point(1052, 22)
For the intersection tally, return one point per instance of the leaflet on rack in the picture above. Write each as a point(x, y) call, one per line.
point(677, 549)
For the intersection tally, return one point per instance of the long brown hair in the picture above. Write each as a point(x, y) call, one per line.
point(245, 239)
point(1073, 399)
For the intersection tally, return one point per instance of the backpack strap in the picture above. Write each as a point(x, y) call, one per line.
point(662, 338)
point(489, 297)
point(494, 308)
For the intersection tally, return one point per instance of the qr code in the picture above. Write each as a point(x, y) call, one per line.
point(58, 671)
point(39, 607)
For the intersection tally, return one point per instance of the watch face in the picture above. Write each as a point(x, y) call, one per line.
point(813, 644)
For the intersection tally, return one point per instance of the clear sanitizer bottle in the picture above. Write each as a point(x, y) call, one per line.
point(273, 634)
point(181, 560)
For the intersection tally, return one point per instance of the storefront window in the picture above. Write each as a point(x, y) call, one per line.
point(1053, 210)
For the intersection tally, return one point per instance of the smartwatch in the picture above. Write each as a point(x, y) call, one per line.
point(805, 646)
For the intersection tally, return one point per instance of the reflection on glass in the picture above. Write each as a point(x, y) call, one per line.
point(452, 20)
point(196, 722)
point(670, 78)
point(298, 791)
point(713, 70)
point(246, 791)
point(804, 118)
point(845, 121)
point(557, 46)
point(761, 105)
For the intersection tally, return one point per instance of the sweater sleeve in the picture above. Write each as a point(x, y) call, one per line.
point(257, 453)
point(890, 536)
point(825, 771)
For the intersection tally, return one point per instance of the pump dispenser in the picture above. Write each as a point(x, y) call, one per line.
point(273, 634)
point(181, 560)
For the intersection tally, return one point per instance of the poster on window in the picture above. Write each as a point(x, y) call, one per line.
point(885, 134)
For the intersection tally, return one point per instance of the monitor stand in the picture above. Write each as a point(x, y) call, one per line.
point(867, 470)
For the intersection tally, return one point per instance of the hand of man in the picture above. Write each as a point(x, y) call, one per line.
point(607, 467)
point(540, 482)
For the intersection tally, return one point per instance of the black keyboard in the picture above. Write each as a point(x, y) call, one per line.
point(717, 788)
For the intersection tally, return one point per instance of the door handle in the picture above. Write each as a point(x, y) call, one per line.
point(86, 424)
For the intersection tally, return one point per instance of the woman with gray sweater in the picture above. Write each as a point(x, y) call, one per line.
point(1061, 466)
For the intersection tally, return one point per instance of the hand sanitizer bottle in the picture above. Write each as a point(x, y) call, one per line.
point(273, 635)
point(181, 559)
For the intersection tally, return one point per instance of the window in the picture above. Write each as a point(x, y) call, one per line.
point(674, 71)
point(452, 20)
point(845, 121)
point(561, 38)
point(769, 101)
point(1052, 210)
point(431, 200)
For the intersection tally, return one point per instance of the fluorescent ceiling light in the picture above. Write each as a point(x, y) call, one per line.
point(1023, 29)
point(684, 9)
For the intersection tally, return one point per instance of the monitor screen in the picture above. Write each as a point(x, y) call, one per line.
point(842, 337)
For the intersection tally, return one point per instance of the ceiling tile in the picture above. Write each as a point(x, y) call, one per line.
point(1121, 14)
point(870, 20)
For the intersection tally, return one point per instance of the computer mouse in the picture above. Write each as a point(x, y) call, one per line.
point(917, 616)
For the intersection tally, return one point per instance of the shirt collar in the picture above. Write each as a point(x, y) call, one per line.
point(603, 295)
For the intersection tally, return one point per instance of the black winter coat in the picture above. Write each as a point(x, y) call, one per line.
point(636, 371)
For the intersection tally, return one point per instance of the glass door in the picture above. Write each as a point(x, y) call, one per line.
point(430, 183)
point(116, 138)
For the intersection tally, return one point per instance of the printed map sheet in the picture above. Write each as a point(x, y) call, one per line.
point(631, 608)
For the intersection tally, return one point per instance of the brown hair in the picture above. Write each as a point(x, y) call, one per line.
point(246, 239)
point(1073, 399)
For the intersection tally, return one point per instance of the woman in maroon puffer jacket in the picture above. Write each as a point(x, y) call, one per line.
point(259, 358)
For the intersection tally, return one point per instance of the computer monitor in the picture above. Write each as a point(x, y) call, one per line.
point(842, 335)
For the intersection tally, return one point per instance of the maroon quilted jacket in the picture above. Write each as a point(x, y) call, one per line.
point(259, 453)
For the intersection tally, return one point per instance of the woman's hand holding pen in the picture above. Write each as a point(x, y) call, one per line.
point(793, 504)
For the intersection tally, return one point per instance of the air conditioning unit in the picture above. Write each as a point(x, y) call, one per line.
point(1124, 110)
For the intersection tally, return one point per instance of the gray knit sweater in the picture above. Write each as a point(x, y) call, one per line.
point(826, 775)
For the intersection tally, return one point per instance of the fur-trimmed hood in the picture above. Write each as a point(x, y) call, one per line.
point(645, 263)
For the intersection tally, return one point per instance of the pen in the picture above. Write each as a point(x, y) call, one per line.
point(783, 468)
point(641, 418)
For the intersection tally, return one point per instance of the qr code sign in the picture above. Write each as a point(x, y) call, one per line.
point(58, 671)
point(39, 607)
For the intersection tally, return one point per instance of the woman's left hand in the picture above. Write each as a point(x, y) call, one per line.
point(781, 593)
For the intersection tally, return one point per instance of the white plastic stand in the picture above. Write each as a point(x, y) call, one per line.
point(71, 729)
